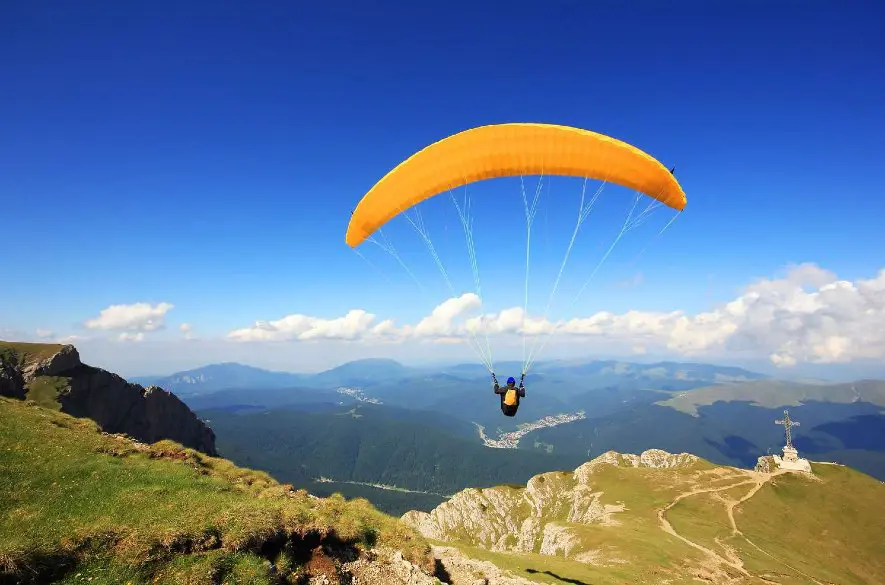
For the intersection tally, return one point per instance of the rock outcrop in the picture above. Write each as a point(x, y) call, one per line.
point(455, 567)
point(146, 414)
point(12, 381)
point(765, 464)
point(539, 518)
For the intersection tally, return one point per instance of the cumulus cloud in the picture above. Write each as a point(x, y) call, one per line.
point(441, 322)
point(131, 337)
point(808, 315)
point(355, 324)
point(137, 317)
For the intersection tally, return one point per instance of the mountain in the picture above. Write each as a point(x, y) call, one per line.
point(421, 452)
point(670, 370)
point(80, 506)
point(390, 377)
point(664, 518)
point(219, 377)
point(728, 433)
point(841, 424)
point(772, 393)
point(463, 391)
point(239, 398)
point(640, 412)
point(365, 372)
point(53, 376)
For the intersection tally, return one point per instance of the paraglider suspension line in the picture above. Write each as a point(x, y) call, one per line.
point(530, 212)
point(630, 223)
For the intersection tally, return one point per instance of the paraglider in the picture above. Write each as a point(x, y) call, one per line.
point(510, 394)
point(509, 150)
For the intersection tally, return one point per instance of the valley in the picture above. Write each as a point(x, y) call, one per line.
point(510, 440)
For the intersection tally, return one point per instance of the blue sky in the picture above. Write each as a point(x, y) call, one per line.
point(209, 158)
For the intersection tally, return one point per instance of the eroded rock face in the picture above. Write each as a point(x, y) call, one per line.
point(536, 519)
point(12, 382)
point(65, 360)
point(382, 566)
point(456, 568)
point(653, 458)
point(765, 464)
point(147, 415)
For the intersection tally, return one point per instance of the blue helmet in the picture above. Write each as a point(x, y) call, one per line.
point(511, 380)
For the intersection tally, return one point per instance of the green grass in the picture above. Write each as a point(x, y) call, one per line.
point(74, 500)
point(26, 353)
point(557, 570)
point(702, 519)
point(832, 529)
point(44, 390)
point(635, 550)
point(775, 393)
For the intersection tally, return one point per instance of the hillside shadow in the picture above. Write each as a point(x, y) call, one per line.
point(557, 577)
point(737, 448)
point(865, 432)
point(440, 572)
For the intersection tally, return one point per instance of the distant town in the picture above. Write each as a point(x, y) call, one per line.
point(358, 395)
point(511, 440)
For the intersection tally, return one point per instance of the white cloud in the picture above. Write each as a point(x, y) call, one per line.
point(132, 337)
point(441, 322)
point(44, 333)
point(354, 325)
point(135, 317)
point(806, 316)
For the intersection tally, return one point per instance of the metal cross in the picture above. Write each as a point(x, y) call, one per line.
point(787, 424)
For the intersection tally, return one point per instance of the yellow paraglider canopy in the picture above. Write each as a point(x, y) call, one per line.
point(507, 150)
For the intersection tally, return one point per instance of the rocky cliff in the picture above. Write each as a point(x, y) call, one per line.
point(544, 516)
point(54, 376)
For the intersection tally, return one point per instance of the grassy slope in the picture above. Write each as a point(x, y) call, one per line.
point(833, 530)
point(44, 389)
point(829, 530)
point(774, 393)
point(635, 550)
point(29, 352)
point(76, 501)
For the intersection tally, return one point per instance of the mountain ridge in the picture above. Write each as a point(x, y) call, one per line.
point(356, 370)
point(650, 518)
point(53, 376)
point(88, 506)
point(660, 517)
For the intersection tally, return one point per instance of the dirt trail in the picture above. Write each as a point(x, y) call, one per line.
point(736, 564)
point(731, 557)
point(760, 480)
